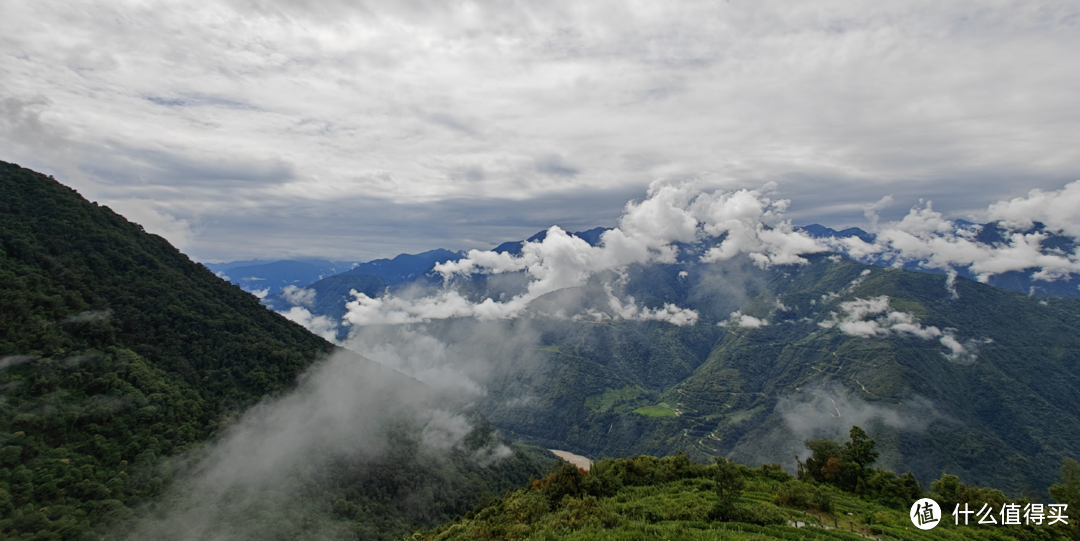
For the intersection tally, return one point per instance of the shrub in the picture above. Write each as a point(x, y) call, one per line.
point(800, 495)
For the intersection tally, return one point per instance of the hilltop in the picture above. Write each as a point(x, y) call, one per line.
point(674, 498)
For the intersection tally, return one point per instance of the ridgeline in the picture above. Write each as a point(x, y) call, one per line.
point(121, 360)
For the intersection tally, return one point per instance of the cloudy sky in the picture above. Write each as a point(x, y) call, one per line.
point(351, 130)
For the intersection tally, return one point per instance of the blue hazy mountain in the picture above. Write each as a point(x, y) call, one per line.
point(591, 236)
point(330, 266)
point(274, 276)
point(405, 267)
point(256, 275)
point(819, 231)
point(331, 294)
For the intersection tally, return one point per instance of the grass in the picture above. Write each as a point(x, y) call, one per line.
point(613, 397)
point(679, 509)
point(740, 416)
point(660, 410)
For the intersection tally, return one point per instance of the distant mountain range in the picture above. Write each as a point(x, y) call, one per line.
point(270, 278)
point(591, 236)
point(405, 267)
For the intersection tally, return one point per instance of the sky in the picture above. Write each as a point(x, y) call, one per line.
point(355, 130)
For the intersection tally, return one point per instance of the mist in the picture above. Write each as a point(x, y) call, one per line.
point(277, 471)
point(829, 411)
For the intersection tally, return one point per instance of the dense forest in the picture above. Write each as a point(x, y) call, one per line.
point(122, 362)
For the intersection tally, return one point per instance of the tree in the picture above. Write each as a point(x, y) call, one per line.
point(860, 448)
point(1067, 491)
point(729, 486)
point(816, 465)
point(846, 466)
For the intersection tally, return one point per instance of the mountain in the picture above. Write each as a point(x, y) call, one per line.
point(404, 267)
point(591, 236)
point(144, 397)
point(819, 231)
point(955, 376)
point(272, 277)
point(331, 294)
point(1004, 416)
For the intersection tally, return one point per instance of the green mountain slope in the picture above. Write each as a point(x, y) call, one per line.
point(1004, 413)
point(674, 498)
point(126, 374)
point(981, 383)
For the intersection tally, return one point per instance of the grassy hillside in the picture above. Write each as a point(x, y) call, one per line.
point(120, 359)
point(674, 498)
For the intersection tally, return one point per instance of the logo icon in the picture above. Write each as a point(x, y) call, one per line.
point(925, 514)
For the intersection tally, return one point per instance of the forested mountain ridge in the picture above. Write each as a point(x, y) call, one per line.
point(947, 375)
point(804, 349)
point(125, 373)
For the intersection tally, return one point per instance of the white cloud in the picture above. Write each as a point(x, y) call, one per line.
point(323, 326)
point(742, 320)
point(856, 320)
point(669, 312)
point(298, 296)
point(926, 236)
point(744, 221)
point(146, 213)
point(344, 410)
point(1057, 209)
point(414, 352)
point(871, 211)
point(950, 284)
